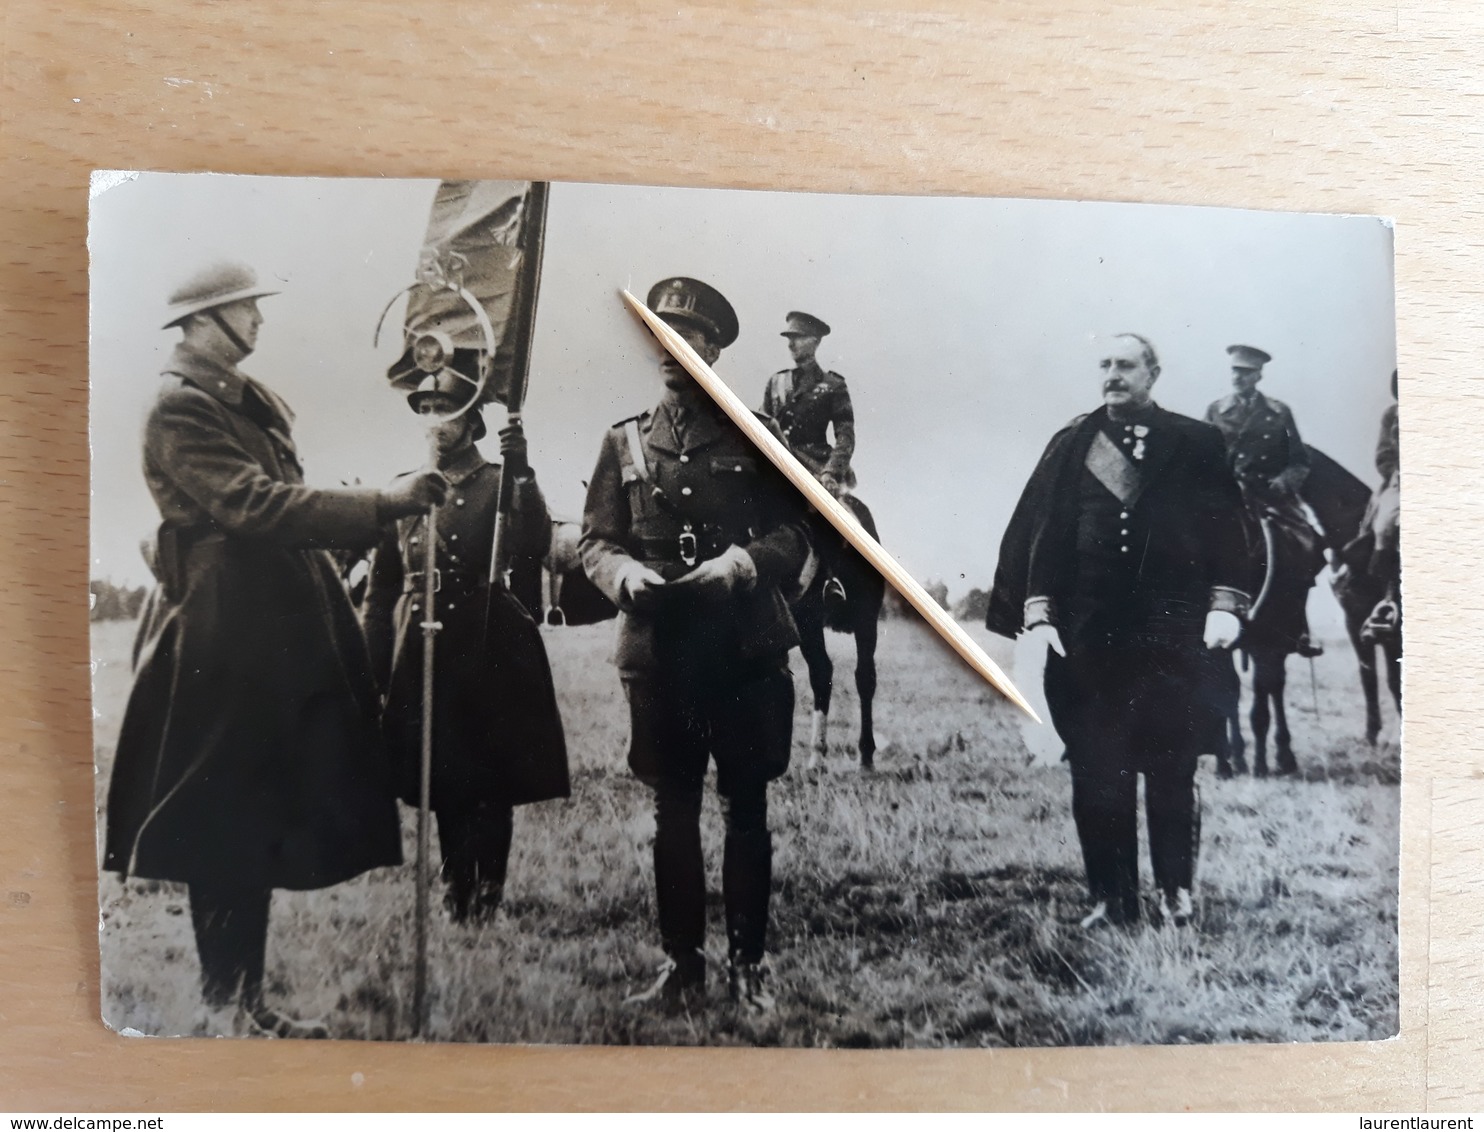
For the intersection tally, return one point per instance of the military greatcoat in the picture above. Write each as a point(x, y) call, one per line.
point(497, 733)
point(249, 752)
point(806, 402)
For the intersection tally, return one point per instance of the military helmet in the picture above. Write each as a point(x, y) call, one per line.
point(1248, 357)
point(801, 325)
point(700, 304)
point(454, 387)
point(213, 286)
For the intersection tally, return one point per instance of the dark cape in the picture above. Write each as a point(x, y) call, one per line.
point(1190, 504)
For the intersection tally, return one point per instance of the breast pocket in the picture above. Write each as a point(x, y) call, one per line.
point(735, 479)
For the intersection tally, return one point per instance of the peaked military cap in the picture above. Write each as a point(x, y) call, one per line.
point(213, 286)
point(1248, 357)
point(452, 386)
point(700, 304)
point(805, 325)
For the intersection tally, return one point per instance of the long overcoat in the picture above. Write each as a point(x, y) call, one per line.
point(249, 752)
point(497, 732)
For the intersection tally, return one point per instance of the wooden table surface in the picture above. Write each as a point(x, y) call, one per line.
point(1333, 105)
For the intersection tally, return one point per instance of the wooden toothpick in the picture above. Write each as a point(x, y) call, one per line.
point(826, 504)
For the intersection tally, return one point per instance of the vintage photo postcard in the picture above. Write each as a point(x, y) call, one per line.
point(461, 673)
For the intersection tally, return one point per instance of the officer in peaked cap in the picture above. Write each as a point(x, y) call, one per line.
point(497, 734)
point(249, 758)
point(697, 539)
point(1271, 463)
point(810, 404)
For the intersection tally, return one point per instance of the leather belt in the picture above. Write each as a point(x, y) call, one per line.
point(414, 581)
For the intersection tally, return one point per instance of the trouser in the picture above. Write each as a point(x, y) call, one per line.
point(1124, 712)
point(680, 869)
point(231, 926)
point(475, 844)
point(741, 715)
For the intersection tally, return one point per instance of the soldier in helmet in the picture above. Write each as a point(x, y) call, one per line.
point(695, 537)
point(810, 404)
point(1270, 462)
point(497, 737)
point(249, 757)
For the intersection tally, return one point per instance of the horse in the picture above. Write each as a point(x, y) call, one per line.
point(569, 595)
point(1368, 588)
point(859, 613)
point(1286, 564)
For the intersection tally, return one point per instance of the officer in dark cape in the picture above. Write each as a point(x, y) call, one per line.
point(1126, 557)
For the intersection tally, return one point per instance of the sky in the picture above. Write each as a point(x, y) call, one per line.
point(967, 329)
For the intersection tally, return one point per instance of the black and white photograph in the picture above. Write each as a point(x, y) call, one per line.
point(463, 673)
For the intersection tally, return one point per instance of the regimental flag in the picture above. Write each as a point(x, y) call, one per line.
point(483, 242)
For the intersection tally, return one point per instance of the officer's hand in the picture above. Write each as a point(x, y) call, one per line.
point(638, 587)
point(513, 452)
point(830, 484)
point(733, 571)
point(1222, 629)
point(414, 494)
point(1046, 634)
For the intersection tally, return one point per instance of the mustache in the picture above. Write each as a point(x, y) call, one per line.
point(1115, 385)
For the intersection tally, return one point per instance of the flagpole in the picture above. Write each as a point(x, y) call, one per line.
point(430, 627)
point(534, 239)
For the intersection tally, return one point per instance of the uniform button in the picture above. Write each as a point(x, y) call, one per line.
point(455, 538)
point(685, 491)
point(1122, 532)
point(737, 467)
point(1126, 440)
point(1124, 549)
point(458, 502)
point(415, 607)
point(450, 605)
point(414, 540)
point(455, 557)
point(1123, 514)
point(684, 459)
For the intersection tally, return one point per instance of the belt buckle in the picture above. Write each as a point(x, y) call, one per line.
point(689, 547)
point(422, 577)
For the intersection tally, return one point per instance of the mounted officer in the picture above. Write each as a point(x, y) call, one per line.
point(809, 403)
point(497, 735)
point(1271, 463)
point(249, 757)
point(695, 537)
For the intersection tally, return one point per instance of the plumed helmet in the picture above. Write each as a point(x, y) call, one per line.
point(700, 304)
point(213, 286)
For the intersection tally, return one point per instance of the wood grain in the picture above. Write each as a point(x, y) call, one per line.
point(1334, 105)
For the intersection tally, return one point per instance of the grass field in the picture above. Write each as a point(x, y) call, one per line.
point(932, 903)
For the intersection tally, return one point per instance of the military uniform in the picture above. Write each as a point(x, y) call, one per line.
point(248, 757)
point(807, 401)
point(497, 735)
point(1263, 446)
point(706, 677)
point(1127, 535)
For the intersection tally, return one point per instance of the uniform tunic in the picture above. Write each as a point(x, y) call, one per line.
point(807, 401)
point(249, 755)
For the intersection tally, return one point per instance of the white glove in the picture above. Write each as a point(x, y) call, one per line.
point(638, 587)
point(1222, 629)
point(730, 572)
point(1045, 635)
